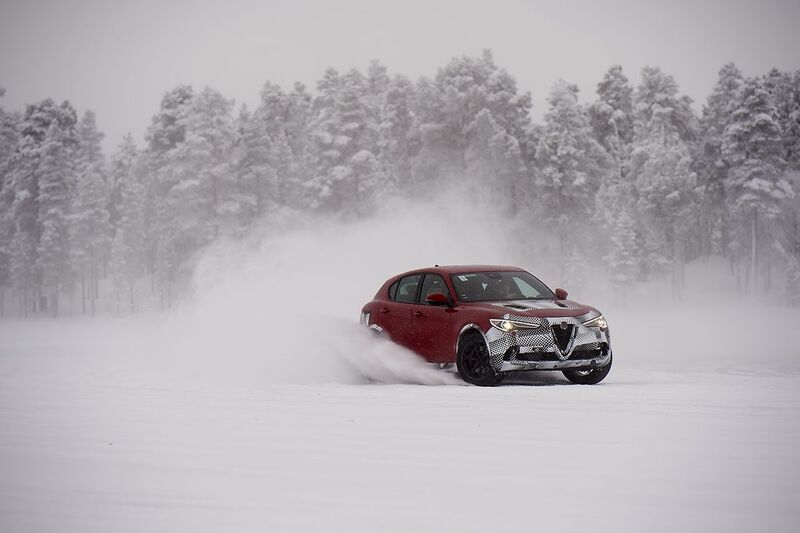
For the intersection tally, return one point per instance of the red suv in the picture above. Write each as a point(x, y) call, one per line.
point(491, 320)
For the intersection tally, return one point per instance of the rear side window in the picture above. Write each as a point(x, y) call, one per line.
point(407, 289)
point(393, 289)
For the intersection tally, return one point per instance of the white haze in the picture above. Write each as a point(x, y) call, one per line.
point(282, 305)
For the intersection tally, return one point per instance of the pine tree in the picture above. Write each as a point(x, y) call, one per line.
point(166, 132)
point(298, 137)
point(128, 248)
point(257, 181)
point(52, 261)
point(122, 163)
point(9, 136)
point(612, 122)
point(345, 166)
point(493, 163)
point(659, 89)
point(784, 91)
point(21, 191)
point(570, 165)
point(448, 105)
point(612, 114)
point(200, 200)
point(278, 142)
point(89, 231)
point(752, 144)
point(661, 168)
point(713, 168)
point(397, 134)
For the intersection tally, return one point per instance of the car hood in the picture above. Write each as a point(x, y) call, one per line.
point(537, 308)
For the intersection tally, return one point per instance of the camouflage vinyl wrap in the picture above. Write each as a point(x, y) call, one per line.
point(558, 343)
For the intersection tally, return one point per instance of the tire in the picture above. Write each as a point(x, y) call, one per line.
point(588, 376)
point(472, 362)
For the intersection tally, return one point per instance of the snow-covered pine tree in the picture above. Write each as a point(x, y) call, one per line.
point(9, 136)
point(493, 164)
point(752, 144)
point(298, 137)
point(448, 105)
point(128, 248)
point(661, 168)
point(201, 200)
point(345, 166)
point(119, 169)
point(611, 116)
point(784, 90)
point(792, 131)
point(52, 260)
point(570, 165)
point(90, 231)
point(20, 195)
point(397, 132)
point(278, 125)
point(712, 166)
point(256, 178)
point(166, 131)
point(659, 88)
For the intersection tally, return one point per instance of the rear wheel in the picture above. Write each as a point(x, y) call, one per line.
point(473, 362)
point(588, 376)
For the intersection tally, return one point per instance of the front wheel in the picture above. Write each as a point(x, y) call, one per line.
point(472, 361)
point(589, 376)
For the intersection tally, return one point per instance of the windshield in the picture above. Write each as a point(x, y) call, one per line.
point(499, 286)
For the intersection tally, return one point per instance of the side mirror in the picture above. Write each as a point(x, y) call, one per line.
point(561, 294)
point(437, 298)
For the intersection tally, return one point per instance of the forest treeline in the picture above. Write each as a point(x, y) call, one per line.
point(634, 180)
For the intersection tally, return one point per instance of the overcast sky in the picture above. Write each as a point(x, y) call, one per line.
point(118, 57)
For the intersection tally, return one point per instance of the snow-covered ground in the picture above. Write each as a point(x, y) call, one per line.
point(103, 429)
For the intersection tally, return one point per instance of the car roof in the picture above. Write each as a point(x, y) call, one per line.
point(462, 269)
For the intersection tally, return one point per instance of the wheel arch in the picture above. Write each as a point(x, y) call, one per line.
point(469, 329)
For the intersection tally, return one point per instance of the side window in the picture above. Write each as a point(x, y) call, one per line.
point(433, 283)
point(393, 289)
point(407, 289)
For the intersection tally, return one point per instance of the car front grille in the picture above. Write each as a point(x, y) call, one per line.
point(562, 333)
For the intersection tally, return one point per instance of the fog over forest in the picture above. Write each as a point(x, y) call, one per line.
point(622, 186)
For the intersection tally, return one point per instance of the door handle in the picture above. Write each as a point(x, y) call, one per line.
point(384, 310)
point(418, 314)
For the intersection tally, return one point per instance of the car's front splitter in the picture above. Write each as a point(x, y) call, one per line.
point(516, 366)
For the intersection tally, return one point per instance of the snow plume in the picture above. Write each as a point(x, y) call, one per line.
point(283, 305)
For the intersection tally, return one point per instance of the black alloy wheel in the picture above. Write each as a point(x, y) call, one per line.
point(473, 362)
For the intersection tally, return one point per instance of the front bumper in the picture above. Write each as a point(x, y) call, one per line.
point(516, 366)
point(558, 344)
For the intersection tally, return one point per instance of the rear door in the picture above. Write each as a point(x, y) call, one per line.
point(431, 324)
point(395, 314)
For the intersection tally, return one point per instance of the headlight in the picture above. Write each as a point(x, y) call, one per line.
point(364, 318)
point(507, 326)
point(597, 322)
